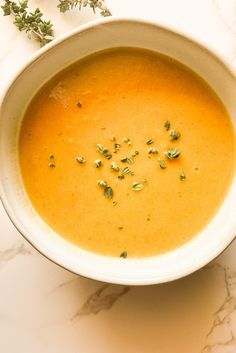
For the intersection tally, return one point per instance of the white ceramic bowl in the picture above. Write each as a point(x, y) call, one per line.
point(112, 32)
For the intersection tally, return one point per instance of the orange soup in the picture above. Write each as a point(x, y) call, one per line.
point(127, 153)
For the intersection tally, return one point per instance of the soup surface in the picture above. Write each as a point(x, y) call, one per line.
point(127, 153)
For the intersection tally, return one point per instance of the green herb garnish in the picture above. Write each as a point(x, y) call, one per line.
point(172, 153)
point(127, 140)
point(174, 135)
point(117, 147)
point(79, 105)
point(127, 160)
point(137, 186)
point(115, 167)
point(98, 163)
point(102, 183)
point(153, 151)
point(66, 5)
point(162, 164)
point(29, 22)
point(104, 151)
point(149, 142)
point(124, 254)
point(108, 192)
point(124, 172)
point(136, 153)
point(167, 125)
point(80, 160)
point(51, 165)
point(182, 176)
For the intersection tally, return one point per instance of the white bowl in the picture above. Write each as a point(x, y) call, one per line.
point(112, 32)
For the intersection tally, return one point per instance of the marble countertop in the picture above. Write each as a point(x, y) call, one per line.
point(44, 308)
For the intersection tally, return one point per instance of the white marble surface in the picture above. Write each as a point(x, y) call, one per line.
point(44, 308)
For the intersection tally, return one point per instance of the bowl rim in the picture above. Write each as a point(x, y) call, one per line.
point(213, 52)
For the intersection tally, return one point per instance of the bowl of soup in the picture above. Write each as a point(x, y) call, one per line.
point(117, 152)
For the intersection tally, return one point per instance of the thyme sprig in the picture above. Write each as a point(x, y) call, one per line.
point(29, 22)
point(66, 5)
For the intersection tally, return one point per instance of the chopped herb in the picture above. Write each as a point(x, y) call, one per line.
point(174, 135)
point(137, 186)
point(127, 160)
point(162, 164)
point(80, 160)
point(108, 192)
point(172, 153)
point(102, 183)
point(167, 125)
point(117, 146)
point(145, 180)
point(79, 105)
point(125, 171)
point(124, 254)
point(153, 151)
point(51, 165)
point(104, 151)
point(115, 167)
point(135, 154)
point(182, 176)
point(51, 157)
point(98, 163)
point(120, 228)
point(149, 142)
point(114, 203)
point(127, 140)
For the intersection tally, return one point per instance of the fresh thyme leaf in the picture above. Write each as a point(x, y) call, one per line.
point(137, 186)
point(167, 125)
point(124, 254)
point(124, 172)
point(153, 151)
point(149, 142)
point(79, 105)
point(127, 160)
point(114, 203)
point(102, 183)
point(174, 135)
point(182, 176)
point(51, 165)
point(80, 160)
point(66, 5)
point(117, 146)
point(162, 164)
point(136, 153)
point(52, 157)
point(98, 163)
point(29, 22)
point(127, 140)
point(172, 153)
point(108, 192)
point(104, 151)
point(115, 167)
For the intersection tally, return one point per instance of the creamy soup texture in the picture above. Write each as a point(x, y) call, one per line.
point(127, 153)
